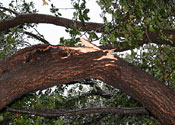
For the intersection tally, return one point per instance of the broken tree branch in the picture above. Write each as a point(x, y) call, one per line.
point(89, 44)
point(42, 66)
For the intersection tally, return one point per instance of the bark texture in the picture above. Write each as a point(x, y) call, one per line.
point(40, 66)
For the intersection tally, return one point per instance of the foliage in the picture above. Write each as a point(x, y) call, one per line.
point(130, 21)
point(132, 17)
point(156, 60)
point(14, 38)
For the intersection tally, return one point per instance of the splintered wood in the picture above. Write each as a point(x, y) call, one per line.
point(107, 56)
point(89, 44)
point(89, 47)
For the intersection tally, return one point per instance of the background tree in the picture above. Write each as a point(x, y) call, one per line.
point(145, 27)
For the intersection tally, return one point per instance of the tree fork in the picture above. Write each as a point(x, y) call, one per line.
point(42, 66)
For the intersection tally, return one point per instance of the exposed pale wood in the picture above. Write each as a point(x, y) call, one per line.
point(89, 44)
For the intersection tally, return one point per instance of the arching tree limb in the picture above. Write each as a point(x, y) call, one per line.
point(154, 37)
point(43, 18)
point(42, 66)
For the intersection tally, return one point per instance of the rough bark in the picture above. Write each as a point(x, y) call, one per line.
point(41, 66)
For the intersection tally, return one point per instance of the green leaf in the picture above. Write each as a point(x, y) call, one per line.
point(139, 36)
point(59, 98)
point(75, 14)
point(59, 122)
point(106, 28)
point(112, 38)
point(86, 11)
point(76, 6)
point(1, 118)
point(151, 29)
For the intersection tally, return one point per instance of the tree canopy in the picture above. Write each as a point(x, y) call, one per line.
point(129, 78)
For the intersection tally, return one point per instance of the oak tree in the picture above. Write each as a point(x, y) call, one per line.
point(93, 84)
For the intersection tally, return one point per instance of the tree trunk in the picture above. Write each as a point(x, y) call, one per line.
point(39, 67)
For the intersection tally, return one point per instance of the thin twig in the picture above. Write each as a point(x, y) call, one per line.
point(146, 32)
point(37, 37)
point(7, 9)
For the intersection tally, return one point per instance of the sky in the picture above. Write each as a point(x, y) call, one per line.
point(53, 33)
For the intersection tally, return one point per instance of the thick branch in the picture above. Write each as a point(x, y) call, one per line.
point(41, 66)
point(149, 37)
point(42, 18)
point(57, 112)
